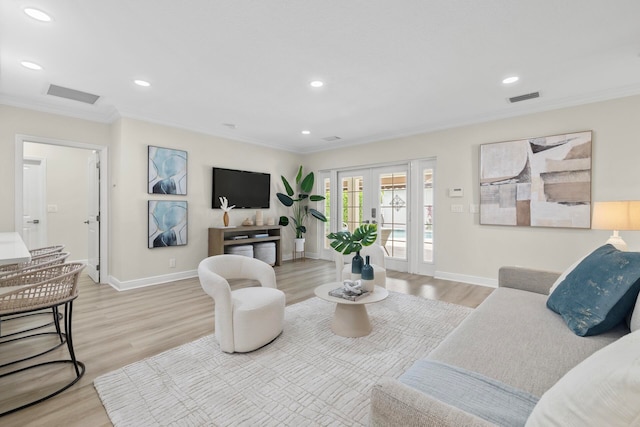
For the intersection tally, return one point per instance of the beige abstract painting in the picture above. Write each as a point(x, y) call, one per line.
point(537, 182)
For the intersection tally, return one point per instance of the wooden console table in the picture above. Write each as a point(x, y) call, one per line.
point(219, 237)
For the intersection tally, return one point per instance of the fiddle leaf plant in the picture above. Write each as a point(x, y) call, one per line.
point(346, 242)
point(300, 202)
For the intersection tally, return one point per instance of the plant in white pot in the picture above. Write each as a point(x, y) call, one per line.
point(299, 203)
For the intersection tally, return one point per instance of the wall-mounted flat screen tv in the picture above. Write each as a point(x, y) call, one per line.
point(245, 189)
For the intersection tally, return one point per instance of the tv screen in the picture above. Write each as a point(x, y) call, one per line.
point(248, 190)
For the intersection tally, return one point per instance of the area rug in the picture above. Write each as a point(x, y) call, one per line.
point(307, 376)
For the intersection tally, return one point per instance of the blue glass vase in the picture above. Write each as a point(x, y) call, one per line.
point(367, 270)
point(367, 276)
point(356, 263)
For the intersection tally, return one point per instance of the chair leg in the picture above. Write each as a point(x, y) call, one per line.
point(68, 310)
point(79, 366)
point(56, 321)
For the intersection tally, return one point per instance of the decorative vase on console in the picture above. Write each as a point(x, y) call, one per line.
point(224, 205)
point(356, 266)
point(367, 276)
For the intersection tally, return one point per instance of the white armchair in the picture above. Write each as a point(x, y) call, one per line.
point(376, 259)
point(247, 318)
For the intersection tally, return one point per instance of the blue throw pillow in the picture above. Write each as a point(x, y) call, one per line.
point(599, 292)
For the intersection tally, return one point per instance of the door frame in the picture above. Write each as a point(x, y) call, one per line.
point(103, 152)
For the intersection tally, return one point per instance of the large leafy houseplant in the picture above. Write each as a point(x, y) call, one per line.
point(346, 242)
point(300, 202)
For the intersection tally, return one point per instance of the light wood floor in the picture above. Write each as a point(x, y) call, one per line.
point(112, 329)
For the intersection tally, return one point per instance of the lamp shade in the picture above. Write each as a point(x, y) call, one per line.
point(620, 215)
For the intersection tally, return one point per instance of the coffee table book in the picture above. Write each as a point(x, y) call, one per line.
point(341, 293)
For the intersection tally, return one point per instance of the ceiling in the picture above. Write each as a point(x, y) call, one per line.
point(390, 68)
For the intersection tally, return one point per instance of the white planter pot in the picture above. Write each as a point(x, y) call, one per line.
point(299, 244)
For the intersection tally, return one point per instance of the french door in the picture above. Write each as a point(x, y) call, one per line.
point(399, 198)
point(380, 196)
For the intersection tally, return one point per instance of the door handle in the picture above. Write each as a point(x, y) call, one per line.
point(86, 222)
point(35, 221)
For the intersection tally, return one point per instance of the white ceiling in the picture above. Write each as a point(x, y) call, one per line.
point(390, 68)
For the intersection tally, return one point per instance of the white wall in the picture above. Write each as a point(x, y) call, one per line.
point(468, 251)
point(465, 250)
point(131, 261)
point(15, 121)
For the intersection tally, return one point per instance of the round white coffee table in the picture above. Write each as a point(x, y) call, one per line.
point(350, 318)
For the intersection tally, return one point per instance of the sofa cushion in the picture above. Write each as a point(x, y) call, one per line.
point(513, 338)
point(599, 292)
point(634, 321)
point(603, 390)
point(476, 394)
point(565, 274)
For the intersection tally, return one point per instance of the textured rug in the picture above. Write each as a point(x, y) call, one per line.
point(307, 376)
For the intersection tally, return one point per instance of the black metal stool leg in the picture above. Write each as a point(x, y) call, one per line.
point(56, 321)
point(68, 310)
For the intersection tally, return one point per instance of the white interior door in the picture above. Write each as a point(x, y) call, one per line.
point(93, 217)
point(34, 216)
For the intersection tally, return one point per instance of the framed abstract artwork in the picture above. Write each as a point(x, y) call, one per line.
point(537, 182)
point(167, 173)
point(167, 223)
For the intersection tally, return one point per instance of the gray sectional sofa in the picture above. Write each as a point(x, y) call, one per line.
point(512, 337)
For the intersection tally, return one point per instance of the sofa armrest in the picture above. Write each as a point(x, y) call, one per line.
point(527, 279)
point(396, 404)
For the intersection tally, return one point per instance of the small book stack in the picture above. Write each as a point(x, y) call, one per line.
point(349, 292)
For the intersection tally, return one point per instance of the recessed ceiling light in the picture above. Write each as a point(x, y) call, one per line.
point(37, 14)
point(306, 132)
point(142, 83)
point(510, 80)
point(316, 83)
point(230, 125)
point(31, 65)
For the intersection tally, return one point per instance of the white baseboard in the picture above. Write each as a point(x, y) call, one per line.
point(150, 281)
point(473, 280)
point(157, 280)
point(310, 255)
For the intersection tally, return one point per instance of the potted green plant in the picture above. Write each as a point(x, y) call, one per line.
point(346, 243)
point(300, 205)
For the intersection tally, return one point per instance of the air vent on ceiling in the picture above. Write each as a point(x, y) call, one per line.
point(331, 138)
point(524, 97)
point(75, 95)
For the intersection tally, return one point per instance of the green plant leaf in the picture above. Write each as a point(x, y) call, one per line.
point(318, 215)
point(307, 183)
point(366, 234)
point(287, 187)
point(284, 221)
point(316, 198)
point(284, 199)
point(299, 175)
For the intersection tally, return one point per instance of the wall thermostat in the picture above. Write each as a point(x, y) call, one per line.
point(456, 192)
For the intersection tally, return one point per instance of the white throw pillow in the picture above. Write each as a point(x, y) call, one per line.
point(634, 324)
point(602, 390)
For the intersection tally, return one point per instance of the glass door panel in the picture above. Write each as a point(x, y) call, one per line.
point(427, 214)
point(393, 214)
